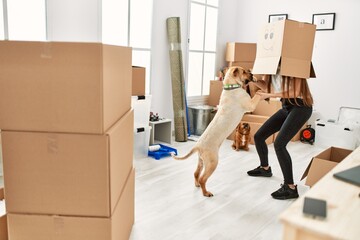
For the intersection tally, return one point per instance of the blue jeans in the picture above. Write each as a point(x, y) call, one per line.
point(288, 121)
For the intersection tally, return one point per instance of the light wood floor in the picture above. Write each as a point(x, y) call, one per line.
point(169, 206)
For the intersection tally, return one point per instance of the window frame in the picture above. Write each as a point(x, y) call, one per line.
point(196, 98)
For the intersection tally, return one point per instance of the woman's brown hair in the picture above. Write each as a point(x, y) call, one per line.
point(291, 84)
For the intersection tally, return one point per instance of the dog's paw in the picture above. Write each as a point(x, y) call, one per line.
point(197, 184)
point(208, 194)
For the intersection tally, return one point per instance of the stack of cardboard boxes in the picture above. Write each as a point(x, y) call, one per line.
point(237, 54)
point(67, 140)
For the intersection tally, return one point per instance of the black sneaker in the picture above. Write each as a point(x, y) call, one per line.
point(260, 172)
point(285, 192)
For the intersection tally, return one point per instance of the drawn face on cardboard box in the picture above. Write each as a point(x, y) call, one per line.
point(285, 46)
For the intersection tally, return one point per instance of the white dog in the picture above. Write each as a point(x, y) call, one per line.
point(234, 102)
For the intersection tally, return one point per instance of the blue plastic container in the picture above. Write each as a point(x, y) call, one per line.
point(164, 151)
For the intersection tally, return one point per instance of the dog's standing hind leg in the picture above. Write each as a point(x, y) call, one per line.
point(210, 166)
point(197, 172)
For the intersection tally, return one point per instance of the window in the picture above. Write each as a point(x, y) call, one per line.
point(128, 23)
point(115, 22)
point(140, 35)
point(26, 20)
point(202, 46)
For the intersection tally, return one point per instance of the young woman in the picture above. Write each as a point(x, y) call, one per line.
point(296, 110)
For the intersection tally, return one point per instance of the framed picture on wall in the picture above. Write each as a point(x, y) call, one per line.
point(324, 21)
point(277, 17)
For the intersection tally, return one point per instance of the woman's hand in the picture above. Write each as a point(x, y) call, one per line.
point(264, 95)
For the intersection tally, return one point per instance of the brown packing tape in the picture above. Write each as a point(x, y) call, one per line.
point(52, 143)
point(46, 50)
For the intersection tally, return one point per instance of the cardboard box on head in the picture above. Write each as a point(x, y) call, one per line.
point(286, 45)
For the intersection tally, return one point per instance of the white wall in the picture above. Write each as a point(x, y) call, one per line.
point(161, 90)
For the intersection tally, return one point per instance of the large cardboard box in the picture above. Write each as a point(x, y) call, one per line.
point(3, 218)
point(240, 52)
point(67, 174)
point(256, 121)
point(63, 86)
point(138, 81)
point(45, 227)
point(323, 163)
point(288, 45)
point(216, 88)
point(267, 108)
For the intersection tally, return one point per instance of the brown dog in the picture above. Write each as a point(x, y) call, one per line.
point(234, 102)
point(242, 137)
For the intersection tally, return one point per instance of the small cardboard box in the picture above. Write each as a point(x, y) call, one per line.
point(45, 227)
point(138, 81)
point(67, 174)
point(322, 163)
point(216, 88)
point(240, 52)
point(63, 86)
point(3, 220)
point(288, 45)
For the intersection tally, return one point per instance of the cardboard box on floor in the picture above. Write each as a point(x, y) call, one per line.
point(45, 227)
point(322, 163)
point(67, 174)
point(288, 45)
point(63, 86)
point(255, 122)
point(3, 220)
point(138, 81)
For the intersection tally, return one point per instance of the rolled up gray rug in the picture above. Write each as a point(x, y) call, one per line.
point(177, 78)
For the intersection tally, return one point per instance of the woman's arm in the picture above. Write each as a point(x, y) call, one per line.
point(293, 91)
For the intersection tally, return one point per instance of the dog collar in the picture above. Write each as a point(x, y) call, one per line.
point(231, 86)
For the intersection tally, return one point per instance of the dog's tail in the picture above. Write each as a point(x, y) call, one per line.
point(192, 151)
